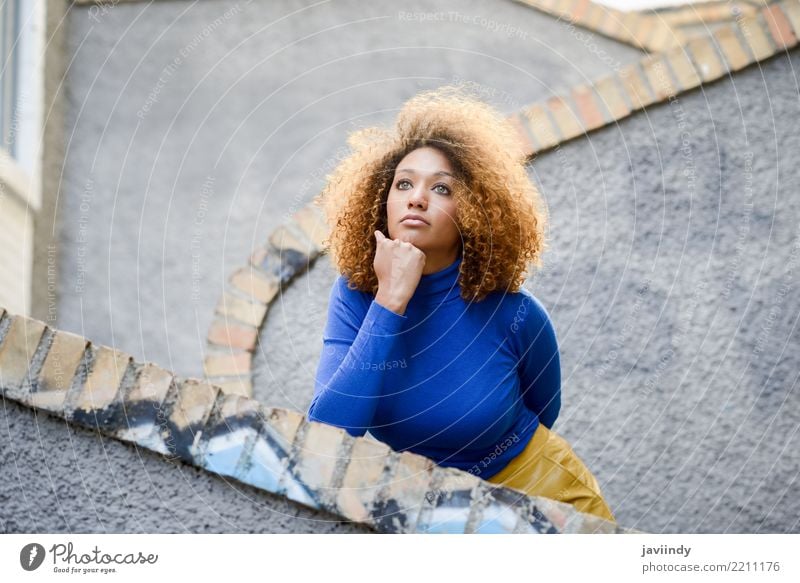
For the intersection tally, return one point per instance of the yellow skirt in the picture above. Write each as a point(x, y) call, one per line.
point(549, 467)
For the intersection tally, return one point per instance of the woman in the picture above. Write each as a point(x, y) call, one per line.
point(430, 343)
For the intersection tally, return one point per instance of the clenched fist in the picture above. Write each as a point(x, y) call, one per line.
point(398, 266)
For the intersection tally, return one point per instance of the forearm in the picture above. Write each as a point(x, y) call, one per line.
point(350, 378)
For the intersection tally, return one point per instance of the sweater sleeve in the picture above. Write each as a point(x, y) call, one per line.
point(355, 351)
point(539, 363)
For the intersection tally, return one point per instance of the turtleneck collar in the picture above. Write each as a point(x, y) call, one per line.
point(439, 286)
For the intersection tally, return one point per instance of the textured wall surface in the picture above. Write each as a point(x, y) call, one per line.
point(674, 281)
point(59, 478)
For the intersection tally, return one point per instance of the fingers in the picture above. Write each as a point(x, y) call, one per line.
point(399, 242)
point(380, 237)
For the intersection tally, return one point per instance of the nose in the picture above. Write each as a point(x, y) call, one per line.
point(418, 197)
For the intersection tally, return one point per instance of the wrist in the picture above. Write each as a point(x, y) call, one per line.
point(392, 304)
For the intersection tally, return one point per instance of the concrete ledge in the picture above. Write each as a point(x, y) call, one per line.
point(277, 450)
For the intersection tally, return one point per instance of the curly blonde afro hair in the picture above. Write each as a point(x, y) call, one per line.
point(500, 214)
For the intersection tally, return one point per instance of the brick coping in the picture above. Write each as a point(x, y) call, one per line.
point(659, 77)
point(273, 449)
point(652, 30)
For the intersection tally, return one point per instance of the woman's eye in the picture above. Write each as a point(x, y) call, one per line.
point(444, 189)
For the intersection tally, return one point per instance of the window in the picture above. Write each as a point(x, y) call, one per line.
point(9, 54)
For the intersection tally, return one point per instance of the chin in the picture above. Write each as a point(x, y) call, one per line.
point(411, 237)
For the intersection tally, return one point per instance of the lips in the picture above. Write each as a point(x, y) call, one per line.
point(414, 219)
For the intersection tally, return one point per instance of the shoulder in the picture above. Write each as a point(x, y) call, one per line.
point(522, 310)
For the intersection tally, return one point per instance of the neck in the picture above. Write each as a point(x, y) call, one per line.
point(434, 263)
point(438, 286)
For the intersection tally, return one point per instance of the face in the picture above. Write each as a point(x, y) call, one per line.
point(423, 185)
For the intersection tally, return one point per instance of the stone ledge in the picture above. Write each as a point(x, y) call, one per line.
point(276, 450)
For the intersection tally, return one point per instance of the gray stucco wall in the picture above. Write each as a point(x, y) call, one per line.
point(692, 424)
point(62, 478)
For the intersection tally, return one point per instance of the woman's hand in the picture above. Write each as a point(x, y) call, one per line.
point(398, 265)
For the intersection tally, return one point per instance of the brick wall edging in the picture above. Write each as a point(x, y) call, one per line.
point(659, 77)
point(653, 30)
point(250, 290)
point(273, 449)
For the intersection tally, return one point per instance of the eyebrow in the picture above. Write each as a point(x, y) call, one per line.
point(412, 171)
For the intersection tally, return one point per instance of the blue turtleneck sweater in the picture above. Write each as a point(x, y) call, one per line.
point(462, 383)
